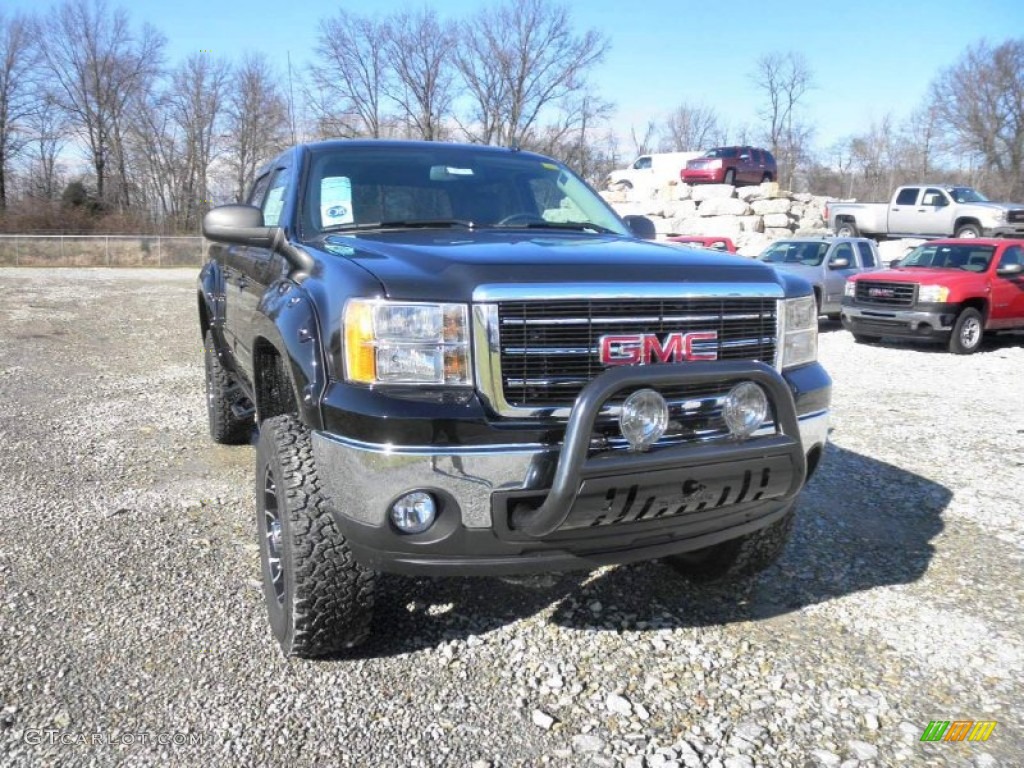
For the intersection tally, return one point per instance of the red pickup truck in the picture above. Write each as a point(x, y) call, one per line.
point(952, 291)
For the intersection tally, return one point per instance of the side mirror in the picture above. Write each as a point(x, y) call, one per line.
point(1010, 269)
point(894, 263)
point(240, 225)
point(839, 264)
point(641, 226)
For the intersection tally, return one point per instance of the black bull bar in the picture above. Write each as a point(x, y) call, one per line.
point(574, 467)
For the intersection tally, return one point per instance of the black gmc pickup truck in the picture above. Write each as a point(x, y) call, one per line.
point(460, 360)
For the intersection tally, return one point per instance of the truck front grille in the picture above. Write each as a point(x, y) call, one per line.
point(886, 294)
point(549, 349)
point(1015, 215)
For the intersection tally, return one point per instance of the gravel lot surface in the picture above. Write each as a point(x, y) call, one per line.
point(132, 628)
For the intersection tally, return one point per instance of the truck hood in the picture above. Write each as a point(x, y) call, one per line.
point(449, 265)
point(923, 276)
point(990, 206)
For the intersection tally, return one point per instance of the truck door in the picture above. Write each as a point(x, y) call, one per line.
point(232, 265)
point(903, 212)
point(934, 213)
point(835, 275)
point(255, 270)
point(1008, 292)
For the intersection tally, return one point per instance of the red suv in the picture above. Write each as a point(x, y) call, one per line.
point(731, 165)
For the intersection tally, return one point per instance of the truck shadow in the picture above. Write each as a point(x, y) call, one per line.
point(861, 524)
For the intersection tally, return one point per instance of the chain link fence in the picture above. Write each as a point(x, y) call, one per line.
point(101, 251)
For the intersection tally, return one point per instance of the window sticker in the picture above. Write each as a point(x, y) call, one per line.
point(336, 201)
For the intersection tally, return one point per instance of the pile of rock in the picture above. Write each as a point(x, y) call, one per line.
point(751, 216)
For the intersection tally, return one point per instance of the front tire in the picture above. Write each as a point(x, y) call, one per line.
point(319, 599)
point(968, 331)
point(736, 559)
point(968, 231)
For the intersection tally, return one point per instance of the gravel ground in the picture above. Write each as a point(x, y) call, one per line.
point(132, 628)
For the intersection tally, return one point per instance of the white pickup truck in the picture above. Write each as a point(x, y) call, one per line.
point(928, 210)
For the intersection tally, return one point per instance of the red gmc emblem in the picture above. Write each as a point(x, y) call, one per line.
point(646, 348)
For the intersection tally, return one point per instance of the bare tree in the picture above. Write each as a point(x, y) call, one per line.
point(198, 102)
point(421, 51)
point(980, 102)
point(785, 79)
point(691, 127)
point(519, 60)
point(351, 79)
point(47, 131)
point(579, 138)
point(97, 65)
point(257, 121)
point(643, 143)
point(18, 57)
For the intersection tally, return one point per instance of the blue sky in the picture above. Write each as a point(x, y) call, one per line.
point(868, 57)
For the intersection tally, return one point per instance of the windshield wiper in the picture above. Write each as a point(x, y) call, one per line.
point(402, 224)
point(578, 226)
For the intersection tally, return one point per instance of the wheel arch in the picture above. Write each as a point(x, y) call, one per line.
point(978, 303)
point(289, 374)
point(963, 221)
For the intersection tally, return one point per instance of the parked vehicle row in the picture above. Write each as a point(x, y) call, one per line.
point(720, 165)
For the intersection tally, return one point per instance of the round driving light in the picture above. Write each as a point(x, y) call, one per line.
point(643, 419)
point(414, 512)
point(746, 408)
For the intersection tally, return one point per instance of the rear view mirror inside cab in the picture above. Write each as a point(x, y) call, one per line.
point(450, 173)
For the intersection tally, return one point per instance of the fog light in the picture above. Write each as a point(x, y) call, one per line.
point(643, 419)
point(746, 408)
point(414, 512)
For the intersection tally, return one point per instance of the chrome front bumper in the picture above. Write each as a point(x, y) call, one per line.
point(362, 479)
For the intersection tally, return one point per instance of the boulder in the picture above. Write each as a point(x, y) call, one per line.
point(751, 223)
point(776, 221)
point(723, 226)
point(751, 243)
point(776, 232)
point(708, 191)
point(723, 206)
point(775, 205)
point(803, 197)
point(765, 191)
point(680, 209)
point(811, 231)
point(683, 191)
point(663, 226)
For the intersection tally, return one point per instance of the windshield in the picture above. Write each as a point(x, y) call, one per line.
point(394, 186)
point(969, 257)
point(967, 195)
point(809, 254)
point(721, 152)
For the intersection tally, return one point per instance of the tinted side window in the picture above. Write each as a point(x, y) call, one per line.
point(907, 196)
point(867, 256)
point(642, 163)
point(1012, 255)
point(274, 201)
point(842, 251)
point(258, 190)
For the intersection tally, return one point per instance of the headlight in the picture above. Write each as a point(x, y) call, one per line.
point(932, 294)
point(998, 216)
point(403, 342)
point(850, 288)
point(800, 326)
